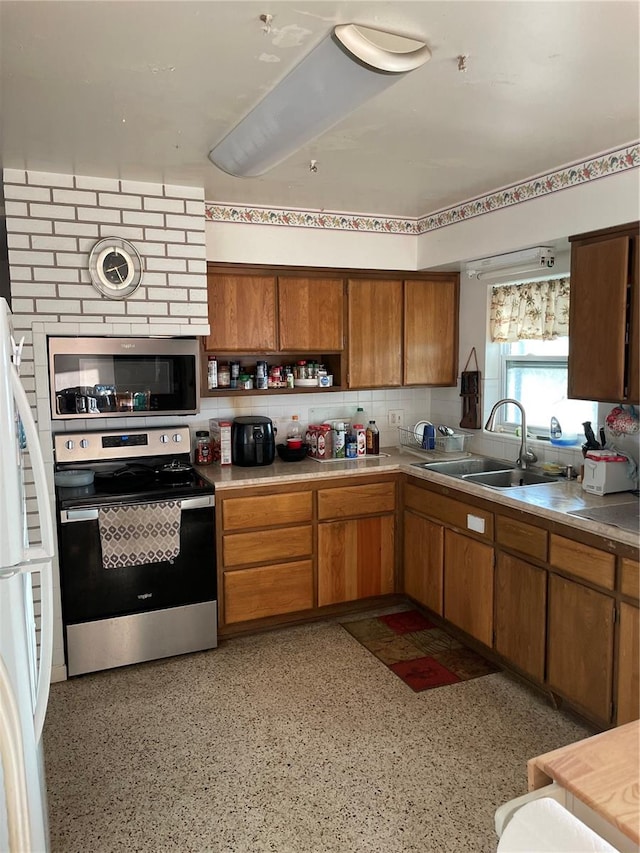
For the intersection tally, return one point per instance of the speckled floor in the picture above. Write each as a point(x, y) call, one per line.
point(293, 741)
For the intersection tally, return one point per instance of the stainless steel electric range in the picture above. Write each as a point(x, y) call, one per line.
point(137, 548)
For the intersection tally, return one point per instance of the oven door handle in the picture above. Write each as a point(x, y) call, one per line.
point(91, 513)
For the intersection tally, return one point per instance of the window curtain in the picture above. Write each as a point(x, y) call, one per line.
point(537, 310)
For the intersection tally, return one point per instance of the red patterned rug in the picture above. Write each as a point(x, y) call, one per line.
point(421, 654)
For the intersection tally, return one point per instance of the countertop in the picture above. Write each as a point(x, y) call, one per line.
point(551, 500)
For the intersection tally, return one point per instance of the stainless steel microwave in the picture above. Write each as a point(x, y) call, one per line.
point(123, 377)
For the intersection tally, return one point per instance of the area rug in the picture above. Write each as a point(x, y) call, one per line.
point(421, 654)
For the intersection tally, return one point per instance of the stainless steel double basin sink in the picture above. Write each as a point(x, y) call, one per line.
point(485, 471)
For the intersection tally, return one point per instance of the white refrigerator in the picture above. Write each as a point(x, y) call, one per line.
point(25, 663)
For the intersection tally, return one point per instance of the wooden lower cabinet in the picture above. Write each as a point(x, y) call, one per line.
point(423, 560)
point(468, 585)
point(268, 591)
point(520, 611)
point(356, 558)
point(628, 688)
point(580, 646)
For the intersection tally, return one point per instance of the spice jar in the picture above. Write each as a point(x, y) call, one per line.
point(224, 376)
point(202, 450)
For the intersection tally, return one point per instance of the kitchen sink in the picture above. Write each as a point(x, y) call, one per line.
point(465, 467)
point(509, 479)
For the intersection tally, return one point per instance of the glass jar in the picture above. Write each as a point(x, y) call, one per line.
point(202, 450)
point(224, 376)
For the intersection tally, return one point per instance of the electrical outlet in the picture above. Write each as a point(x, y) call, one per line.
point(396, 417)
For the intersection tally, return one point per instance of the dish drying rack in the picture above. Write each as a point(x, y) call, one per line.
point(445, 444)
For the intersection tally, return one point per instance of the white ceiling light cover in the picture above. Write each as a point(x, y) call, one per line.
point(350, 66)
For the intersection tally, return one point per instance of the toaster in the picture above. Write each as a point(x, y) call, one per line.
point(252, 441)
point(606, 472)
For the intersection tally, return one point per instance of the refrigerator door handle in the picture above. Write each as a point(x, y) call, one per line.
point(41, 562)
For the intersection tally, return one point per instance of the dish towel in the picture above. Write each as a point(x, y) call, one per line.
point(135, 534)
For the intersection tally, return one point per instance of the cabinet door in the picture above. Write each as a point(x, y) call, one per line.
point(311, 314)
point(356, 559)
point(580, 645)
point(597, 309)
point(267, 591)
point(628, 690)
point(633, 395)
point(375, 333)
point(468, 585)
point(520, 609)
point(242, 313)
point(431, 332)
point(423, 552)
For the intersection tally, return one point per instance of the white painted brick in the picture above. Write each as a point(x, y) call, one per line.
point(26, 193)
point(97, 329)
point(124, 231)
point(80, 229)
point(141, 187)
point(29, 226)
point(196, 328)
point(88, 182)
point(16, 208)
point(31, 258)
point(85, 245)
point(43, 305)
point(14, 176)
point(196, 208)
point(141, 294)
point(184, 192)
point(185, 222)
point(53, 243)
point(159, 279)
point(165, 205)
point(120, 328)
point(175, 294)
point(141, 329)
point(153, 309)
point(135, 218)
point(52, 211)
point(158, 250)
point(197, 266)
point(189, 309)
point(96, 214)
point(181, 250)
point(127, 232)
point(132, 202)
point(74, 197)
point(22, 306)
point(199, 295)
point(50, 179)
point(41, 289)
point(76, 291)
point(100, 307)
point(20, 274)
point(55, 274)
point(186, 280)
point(166, 236)
point(195, 237)
point(17, 241)
point(89, 327)
point(166, 265)
point(68, 259)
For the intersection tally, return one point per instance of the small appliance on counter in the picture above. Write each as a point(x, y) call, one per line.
point(606, 471)
point(253, 441)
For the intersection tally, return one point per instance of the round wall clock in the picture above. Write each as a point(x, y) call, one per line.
point(115, 267)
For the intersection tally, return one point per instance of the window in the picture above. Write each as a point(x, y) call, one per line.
point(535, 373)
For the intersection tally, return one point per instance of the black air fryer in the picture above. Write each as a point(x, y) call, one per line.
point(252, 441)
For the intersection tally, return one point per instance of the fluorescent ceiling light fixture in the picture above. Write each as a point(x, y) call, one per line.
point(537, 259)
point(350, 66)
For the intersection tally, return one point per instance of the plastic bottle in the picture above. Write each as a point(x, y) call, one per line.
point(373, 439)
point(339, 440)
point(294, 434)
point(360, 417)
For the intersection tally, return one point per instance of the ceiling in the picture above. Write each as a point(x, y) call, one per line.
point(142, 90)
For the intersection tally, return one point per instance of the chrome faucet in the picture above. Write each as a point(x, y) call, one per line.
point(526, 457)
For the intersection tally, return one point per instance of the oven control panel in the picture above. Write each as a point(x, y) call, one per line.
point(120, 444)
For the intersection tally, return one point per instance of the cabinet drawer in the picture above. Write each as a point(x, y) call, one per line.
point(353, 501)
point(450, 511)
point(630, 578)
point(266, 510)
point(522, 537)
point(267, 591)
point(267, 546)
point(583, 561)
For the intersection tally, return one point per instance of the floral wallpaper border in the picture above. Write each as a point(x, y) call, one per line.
point(600, 166)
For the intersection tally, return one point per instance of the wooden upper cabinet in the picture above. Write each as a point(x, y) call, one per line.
point(242, 313)
point(375, 332)
point(431, 331)
point(603, 316)
point(311, 314)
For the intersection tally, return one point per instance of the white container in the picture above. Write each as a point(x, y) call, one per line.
point(605, 475)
